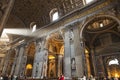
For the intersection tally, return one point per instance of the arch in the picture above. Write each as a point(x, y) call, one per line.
point(29, 61)
point(55, 53)
point(53, 39)
point(85, 24)
point(98, 16)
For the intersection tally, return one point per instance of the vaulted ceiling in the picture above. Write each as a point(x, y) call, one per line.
point(34, 11)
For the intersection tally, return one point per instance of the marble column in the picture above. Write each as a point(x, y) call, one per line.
point(67, 55)
point(19, 60)
point(79, 53)
point(6, 61)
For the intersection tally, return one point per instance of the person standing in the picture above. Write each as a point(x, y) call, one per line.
point(61, 77)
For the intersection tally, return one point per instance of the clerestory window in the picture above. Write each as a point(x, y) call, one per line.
point(33, 26)
point(54, 15)
point(87, 1)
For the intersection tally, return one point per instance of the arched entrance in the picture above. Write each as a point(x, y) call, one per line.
point(30, 53)
point(55, 55)
point(101, 35)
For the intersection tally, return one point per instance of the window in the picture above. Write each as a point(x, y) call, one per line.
point(101, 25)
point(33, 26)
point(54, 14)
point(114, 62)
point(87, 1)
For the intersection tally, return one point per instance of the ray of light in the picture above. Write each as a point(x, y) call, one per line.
point(20, 31)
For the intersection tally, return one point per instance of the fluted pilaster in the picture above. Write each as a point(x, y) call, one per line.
point(79, 52)
point(67, 55)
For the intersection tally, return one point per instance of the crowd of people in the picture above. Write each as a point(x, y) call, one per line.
point(92, 78)
point(100, 78)
point(11, 77)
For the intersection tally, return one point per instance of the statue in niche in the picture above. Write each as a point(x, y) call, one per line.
point(73, 64)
